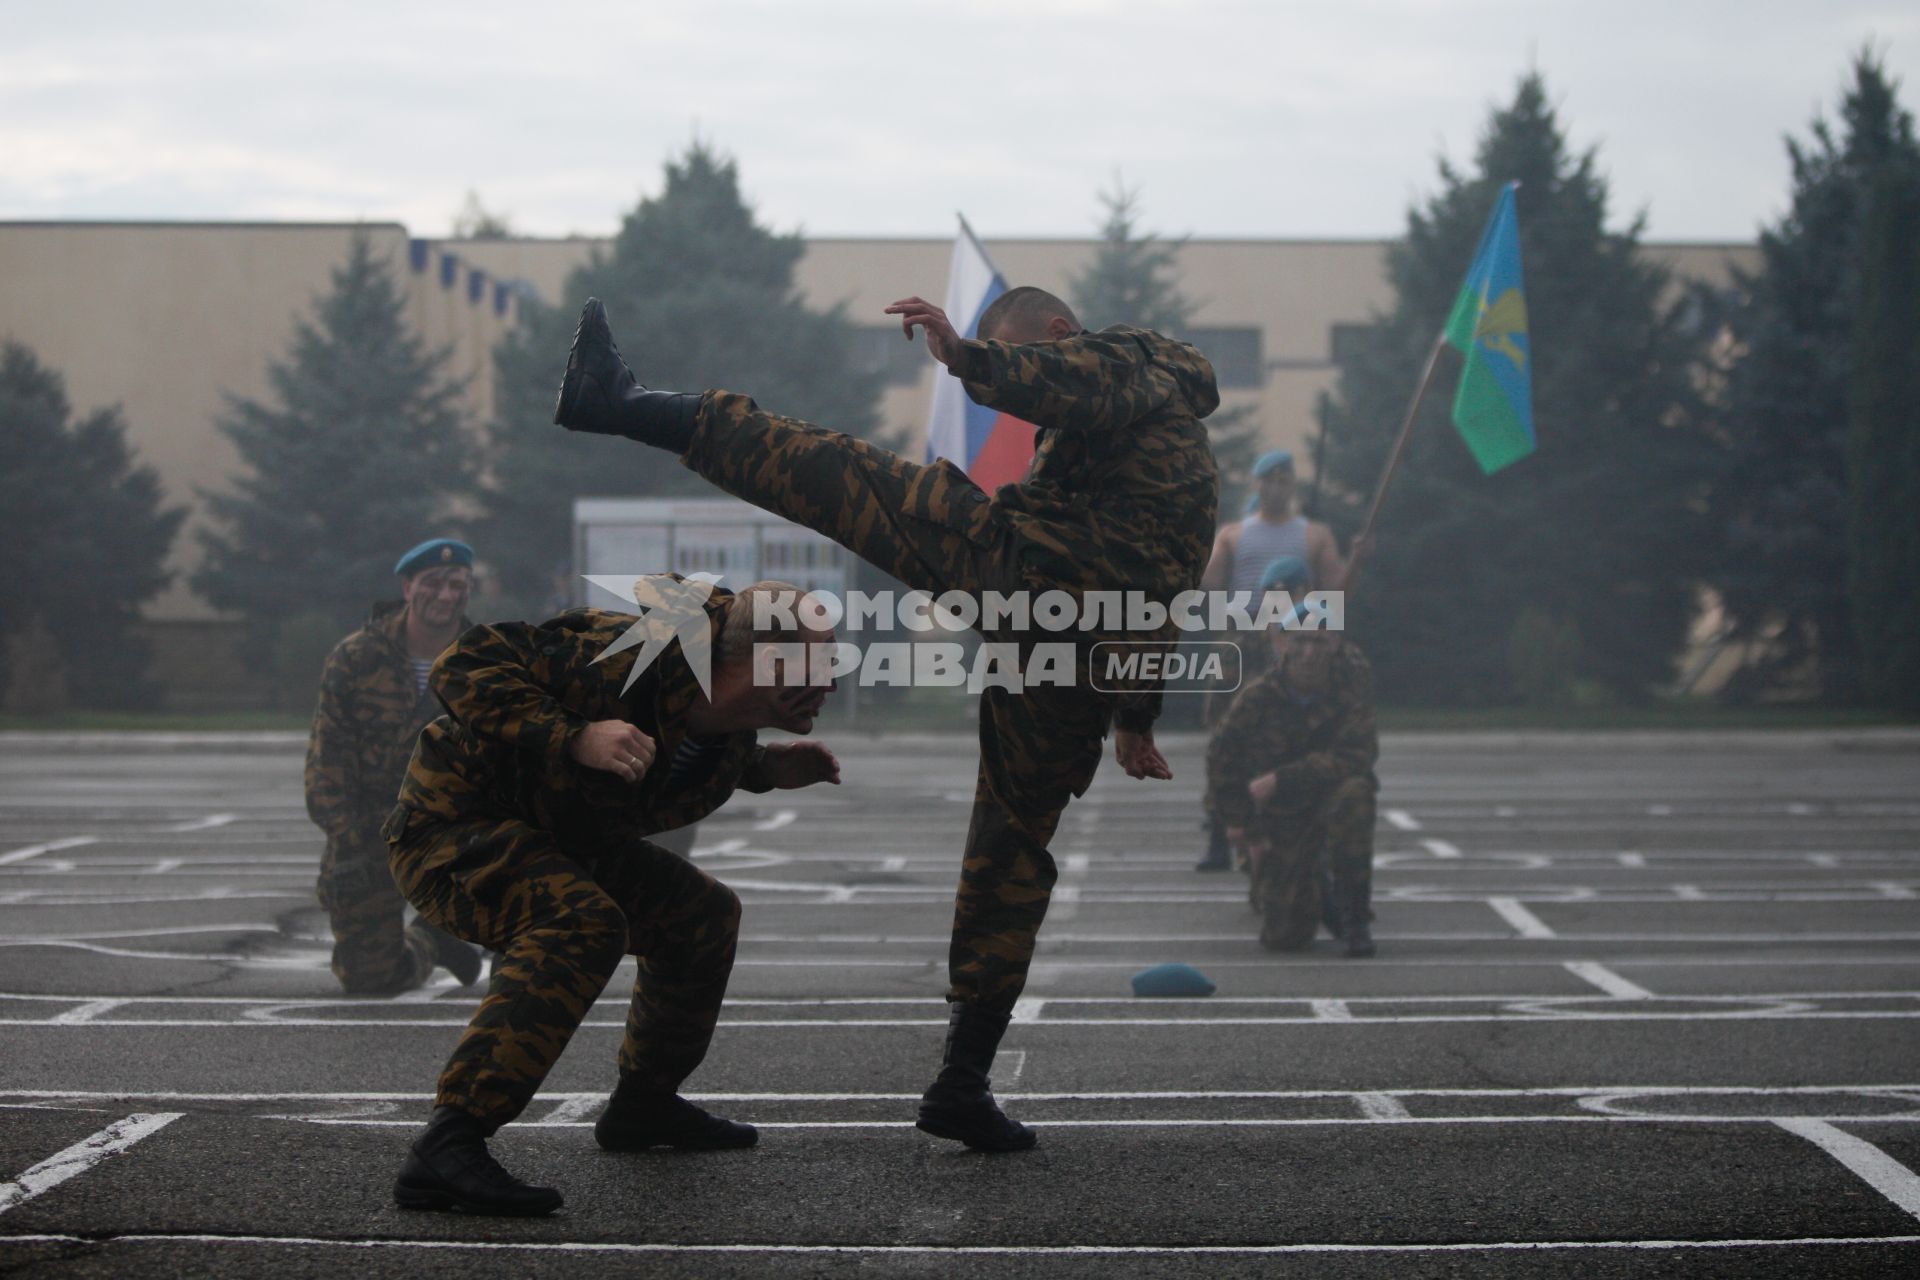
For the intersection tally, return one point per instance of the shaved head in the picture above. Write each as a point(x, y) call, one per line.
point(1022, 314)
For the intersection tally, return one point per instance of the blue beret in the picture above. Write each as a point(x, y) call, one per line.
point(1285, 572)
point(1272, 460)
point(433, 553)
point(1172, 980)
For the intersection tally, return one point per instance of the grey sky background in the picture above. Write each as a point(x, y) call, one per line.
point(882, 117)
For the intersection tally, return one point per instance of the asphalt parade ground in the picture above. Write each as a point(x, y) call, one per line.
point(1643, 1005)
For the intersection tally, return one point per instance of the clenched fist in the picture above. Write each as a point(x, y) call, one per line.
point(615, 747)
point(791, 765)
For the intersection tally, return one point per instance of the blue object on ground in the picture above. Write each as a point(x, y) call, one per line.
point(1172, 980)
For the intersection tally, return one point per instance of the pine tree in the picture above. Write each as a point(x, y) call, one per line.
point(1883, 444)
point(87, 531)
point(1783, 501)
point(1133, 280)
point(359, 455)
point(1597, 539)
point(700, 295)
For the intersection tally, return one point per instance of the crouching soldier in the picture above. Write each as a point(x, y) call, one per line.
point(1291, 773)
point(524, 825)
point(373, 704)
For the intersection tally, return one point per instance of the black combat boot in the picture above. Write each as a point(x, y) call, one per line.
point(1219, 855)
point(957, 1104)
point(458, 958)
point(448, 1167)
point(599, 394)
point(1353, 903)
point(638, 1117)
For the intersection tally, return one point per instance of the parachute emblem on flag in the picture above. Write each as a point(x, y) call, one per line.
point(1498, 325)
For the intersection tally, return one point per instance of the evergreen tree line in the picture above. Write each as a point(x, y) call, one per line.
point(1752, 449)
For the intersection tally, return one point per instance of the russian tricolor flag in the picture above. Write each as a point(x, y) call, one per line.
point(991, 447)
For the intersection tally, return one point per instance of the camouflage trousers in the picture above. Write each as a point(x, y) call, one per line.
point(1288, 890)
point(375, 952)
point(561, 919)
point(936, 531)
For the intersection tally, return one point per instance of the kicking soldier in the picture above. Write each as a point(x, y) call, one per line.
point(1290, 771)
point(524, 825)
point(373, 704)
point(1121, 495)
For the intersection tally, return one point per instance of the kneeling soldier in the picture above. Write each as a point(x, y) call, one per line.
point(525, 824)
point(373, 704)
point(1291, 772)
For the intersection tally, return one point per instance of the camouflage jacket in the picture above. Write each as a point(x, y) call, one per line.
point(1310, 741)
point(364, 727)
point(517, 694)
point(1123, 490)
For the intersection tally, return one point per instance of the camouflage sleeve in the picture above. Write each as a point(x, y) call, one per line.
point(754, 777)
point(1351, 749)
point(1086, 381)
point(1233, 758)
point(333, 779)
point(1137, 710)
point(506, 682)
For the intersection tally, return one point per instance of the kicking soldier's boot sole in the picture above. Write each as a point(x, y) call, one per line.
point(596, 376)
point(975, 1120)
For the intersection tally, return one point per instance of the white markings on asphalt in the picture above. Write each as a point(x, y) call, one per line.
point(1525, 923)
point(1381, 1106)
point(207, 823)
point(1659, 810)
point(1505, 811)
point(1009, 1066)
point(1629, 858)
point(1607, 980)
point(1799, 810)
point(618, 1248)
point(1894, 890)
point(86, 1013)
point(1688, 892)
point(1441, 848)
point(1027, 1008)
point(11, 857)
point(576, 1109)
point(1400, 819)
point(893, 864)
point(1875, 1167)
point(781, 818)
point(1823, 860)
point(82, 1156)
point(1332, 1011)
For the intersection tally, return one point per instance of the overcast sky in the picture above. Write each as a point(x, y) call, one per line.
point(882, 117)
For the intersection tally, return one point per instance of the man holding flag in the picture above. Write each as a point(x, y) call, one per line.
point(1120, 496)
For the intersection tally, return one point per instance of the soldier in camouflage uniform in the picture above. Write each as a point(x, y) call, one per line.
point(1291, 772)
point(373, 704)
point(525, 825)
point(1120, 496)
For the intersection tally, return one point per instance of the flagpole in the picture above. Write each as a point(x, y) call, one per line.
point(1393, 461)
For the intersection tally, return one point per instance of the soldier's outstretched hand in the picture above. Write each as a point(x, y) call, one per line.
point(614, 746)
point(943, 343)
point(1139, 757)
point(791, 765)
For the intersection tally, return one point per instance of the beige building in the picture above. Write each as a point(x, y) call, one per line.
point(167, 319)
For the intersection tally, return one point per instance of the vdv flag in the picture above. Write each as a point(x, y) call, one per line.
point(1493, 409)
point(991, 447)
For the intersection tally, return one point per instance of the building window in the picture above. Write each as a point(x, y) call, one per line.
point(1234, 353)
point(880, 349)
